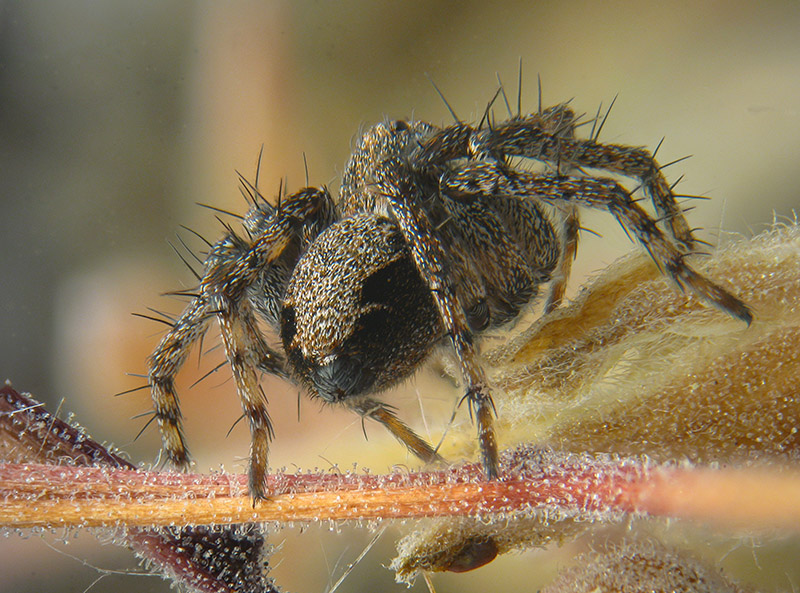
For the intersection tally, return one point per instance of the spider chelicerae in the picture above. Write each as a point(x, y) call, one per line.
point(438, 234)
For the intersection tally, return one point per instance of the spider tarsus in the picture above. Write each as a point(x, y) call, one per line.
point(487, 440)
point(712, 293)
point(257, 475)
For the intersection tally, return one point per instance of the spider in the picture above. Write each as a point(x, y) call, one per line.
point(438, 234)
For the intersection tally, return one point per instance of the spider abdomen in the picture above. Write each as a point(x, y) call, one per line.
point(357, 316)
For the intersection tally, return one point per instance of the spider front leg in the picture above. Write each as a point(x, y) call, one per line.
point(489, 179)
point(395, 185)
point(233, 266)
point(163, 366)
point(246, 350)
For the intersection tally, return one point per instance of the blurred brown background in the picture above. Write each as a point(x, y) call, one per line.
point(116, 117)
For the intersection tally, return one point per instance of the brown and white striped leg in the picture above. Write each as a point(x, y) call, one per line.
point(233, 265)
point(526, 136)
point(163, 366)
point(598, 193)
point(244, 348)
point(428, 256)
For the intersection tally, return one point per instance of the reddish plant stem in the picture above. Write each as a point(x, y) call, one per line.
point(53, 496)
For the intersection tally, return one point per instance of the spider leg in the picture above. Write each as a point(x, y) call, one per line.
point(244, 349)
point(560, 121)
point(488, 178)
point(395, 183)
point(529, 136)
point(370, 408)
point(163, 366)
point(459, 140)
point(570, 226)
point(235, 264)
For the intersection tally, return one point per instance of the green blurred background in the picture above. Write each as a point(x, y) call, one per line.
point(117, 117)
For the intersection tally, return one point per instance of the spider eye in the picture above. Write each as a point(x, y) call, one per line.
point(399, 125)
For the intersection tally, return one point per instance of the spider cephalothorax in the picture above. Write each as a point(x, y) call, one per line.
point(437, 235)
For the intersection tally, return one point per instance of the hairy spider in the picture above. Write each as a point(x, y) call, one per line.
point(437, 234)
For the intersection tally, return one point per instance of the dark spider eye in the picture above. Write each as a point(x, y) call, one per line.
point(399, 125)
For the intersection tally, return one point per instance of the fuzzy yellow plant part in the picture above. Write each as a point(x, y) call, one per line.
point(641, 568)
point(634, 367)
